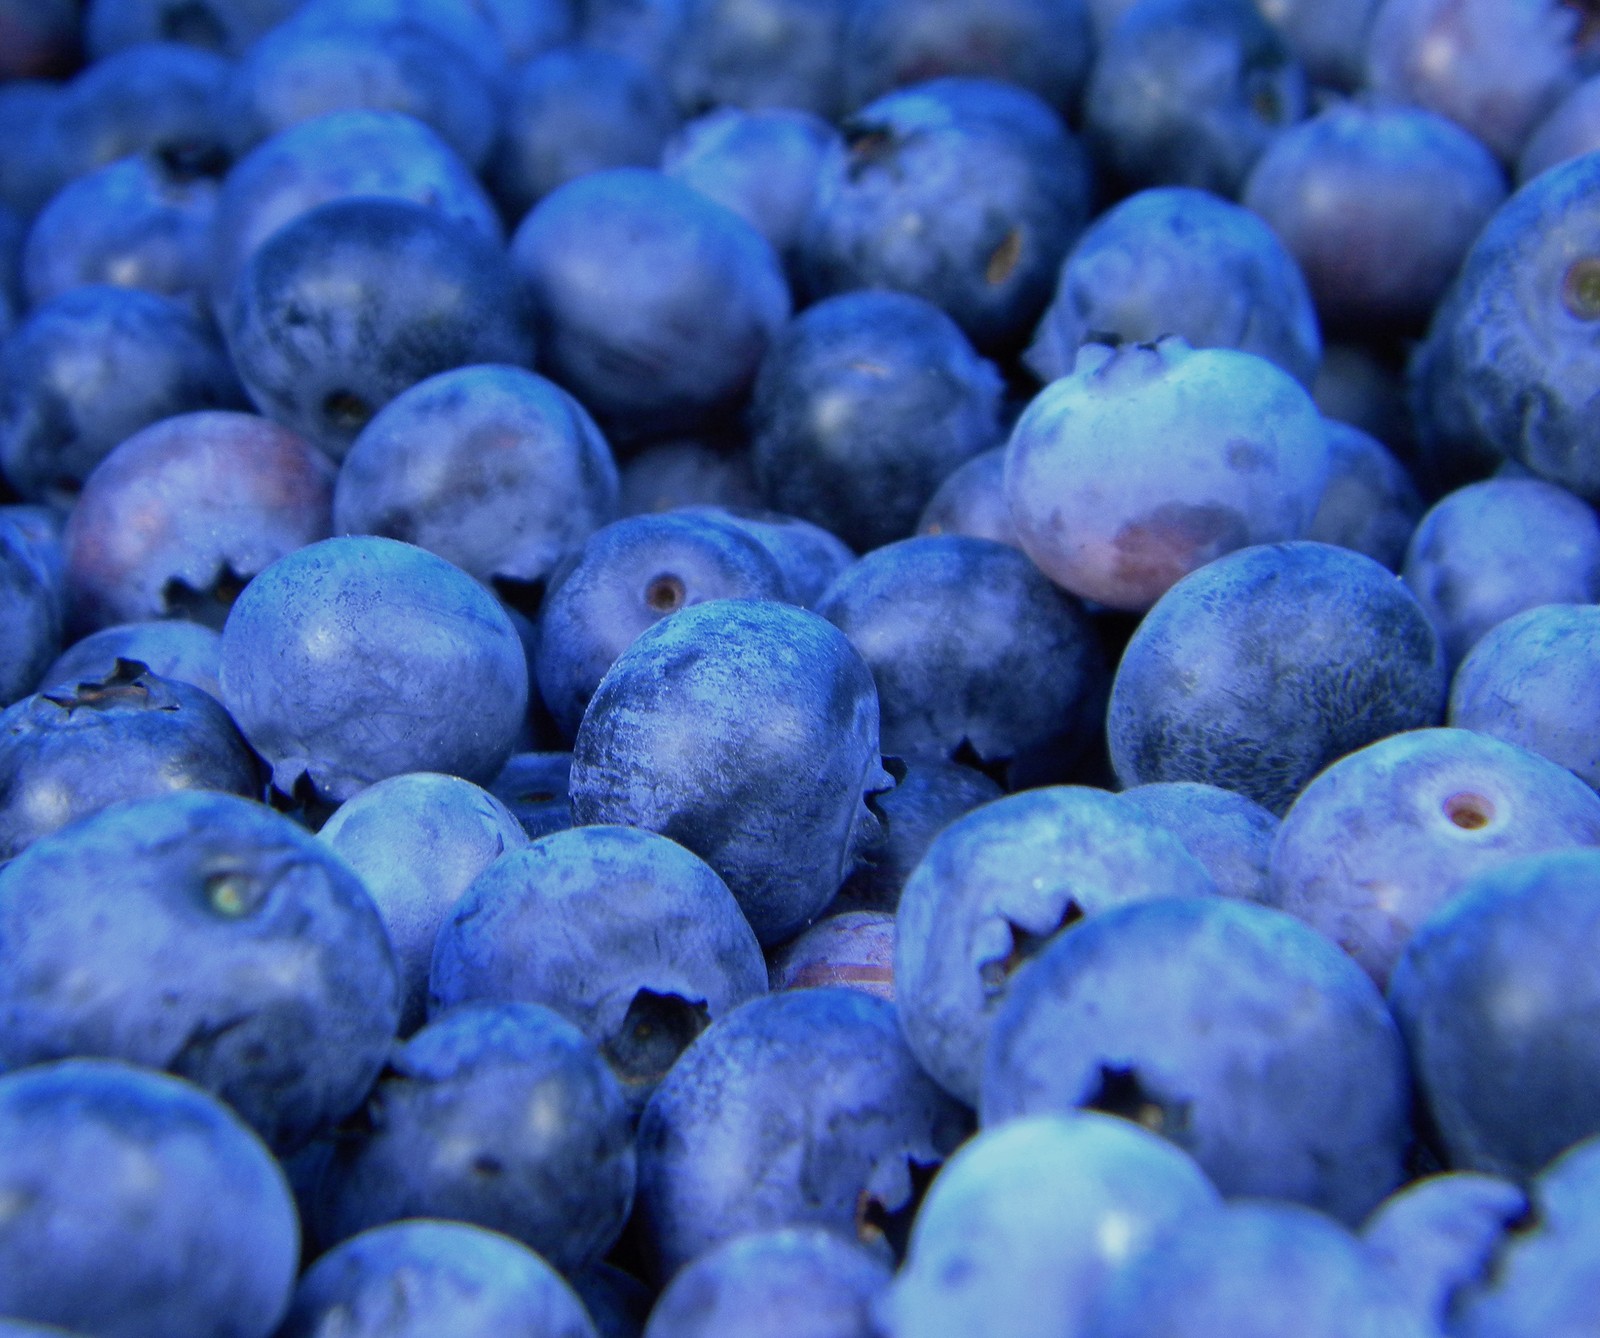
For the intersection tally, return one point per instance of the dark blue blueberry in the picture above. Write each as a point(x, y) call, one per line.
point(1177, 260)
point(1236, 1031)
point(1258, 670)
point(794, 1282)
point(655, 304)
point(627, 576)
point(1328, 37)
point(224, 26)
point(763, 53)
point(138, 1207)
point(747, 731)
point(219, 941)
point(91, 368)
point(1497, 995)
point(617, 1302)
point(812, 557)
point(30, 169)
point(573, 110)
point(1231, 835)
point(1151, 460)
point(972, 501)
point(500, 1114)
point(494, 468)
point(1370, 504)
point(358, 299)
point(31, 613)
point(994, 888)
point(864, 404)
point(179, 516)
point(627, 934)
point(534, 787)
point(1189, 92)
point(854, 949)
point(71, 751)
point(801, 1108)
point(170, 647)
point(358, 658)
point(1027, 1224)
point(417, 841)
point(963, 192)
point(687, 473)
point(424, 1279)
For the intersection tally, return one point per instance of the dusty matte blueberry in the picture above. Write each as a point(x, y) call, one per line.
point(138, 1207)
point(1370, 504)
point(224, 944)
point(358, 658)
point(994, 888)
point(170, 647)
point(1235, 1030)
point(802, 1107)
point(747, 731)
point(1258, 670)
point(1230, 834)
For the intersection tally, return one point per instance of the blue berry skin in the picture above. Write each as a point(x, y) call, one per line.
point(654, 304)
point(1371, 504)
point(1231, 835)
point(224, 944)
point(1257, 1270)
point(1439, 1236)
point(1189, 93)
point(972, 500)
point(573, 110)
point(801, 1108)
point(88, 370)
point(812, 557)
point(1329, 39)
point(1151, 460)
point(1003, 180)
point(626, 933)
point(976, 655)
point(169, 647)
point(1570, 130)
point(864, 404)
point(1236, 1031)
point(850, 948)
point(792, 1282)
point(421, 1279)
point(1257, 671)
point(994, 888)
point(499, 1114)
point(139, 1207)
point(31, 611)
point(1471, 566)
point(1178, 260)
point(747, 731)
point(1495, 994)
point(1028, 1223)
point(417, 842)
point(29, 170)
point(1534, 680)
point(533, 786)
point(763, 53)
point(1510, 358)
point(354, 301)
point(494, 468)
point(627, 576)
point(227, 27)
point(1386, 836)
point(71, 751)
point(671, 475)
point(408, 632)
point(333, 157)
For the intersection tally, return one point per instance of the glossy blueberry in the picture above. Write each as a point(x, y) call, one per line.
point(624, 932)
point(169, 647)
point(71, 751)
point(763, 53)
point(180, 515)
point(408, 632)
point(1120, 482)
point(1189, 92)
point(358, 299)
point(499, 1114)
point(972, 501)
point(139, 1207)
point(794, 1282)
point(654, 304)
point(994, 888)
point(1257, 671)
point(417, 841)
point(1231, 835)
point(1027, 1224)
point(1183, 261)
point(88, 370)
point(1371, 504)
point(494, 468)
point(747, 731)
point(225, 26)
point(1532, 681)
point(421, 1279)
point(803, 1107)
point(1003, 181)
point(854, 949)
point(627, 576)
point(224, 944)
point(1234, 1030)
point(977, 657)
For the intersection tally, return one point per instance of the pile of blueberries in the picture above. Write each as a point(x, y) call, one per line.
point(825, 668)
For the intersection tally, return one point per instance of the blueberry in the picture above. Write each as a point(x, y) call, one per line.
point(812, 557)
point(763, 53)
point(972, 500)
point(170, 647)
point(687, 473)
point(1570, 130)
point(1371, 504)
point(1230, 834)
point(224, 26)
point(31, 611)
point(854, 949)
